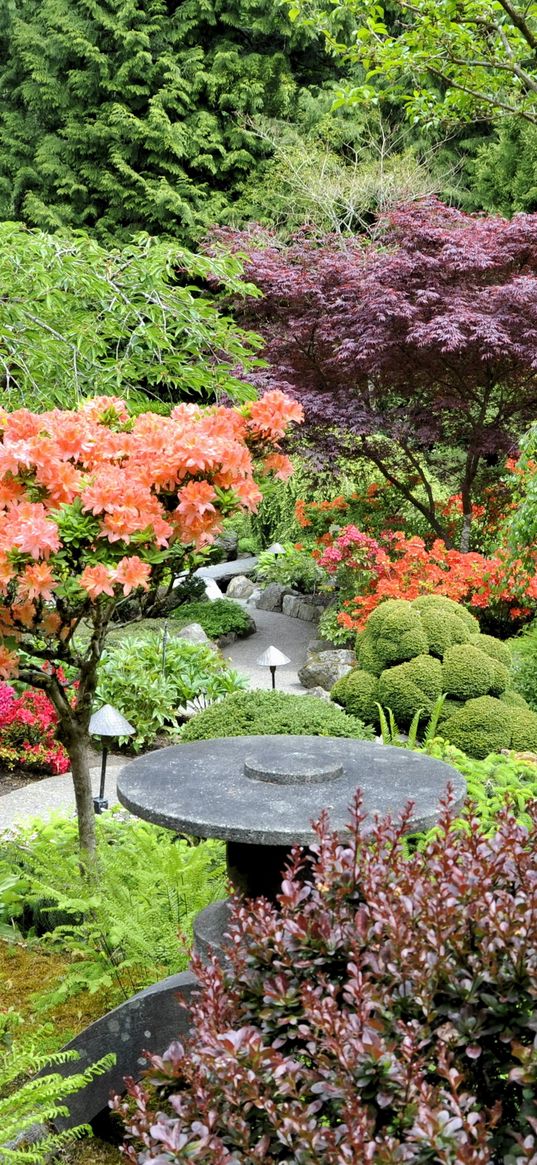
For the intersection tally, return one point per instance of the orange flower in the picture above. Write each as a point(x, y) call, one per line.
point(133, 573)
point(97, 580)
point(279, 465)
point(37, 581)
point(8, 663)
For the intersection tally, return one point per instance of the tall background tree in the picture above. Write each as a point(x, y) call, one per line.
point(419, 353)
point(126, 115)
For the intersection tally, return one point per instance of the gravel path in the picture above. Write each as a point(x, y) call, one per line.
point(290, 635)
point(41, 798)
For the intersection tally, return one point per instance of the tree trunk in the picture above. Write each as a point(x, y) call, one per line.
point(76, 743)
point(465, 533)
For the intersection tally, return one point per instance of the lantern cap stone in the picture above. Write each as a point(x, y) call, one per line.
point(266, 790)
point(272, 657)
point(107, 721)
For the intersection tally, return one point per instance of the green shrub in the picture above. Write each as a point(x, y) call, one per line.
point(358, 694)
point(411, 687)
point(467, 672)
point(524, 655)
point(217, 619)
point(445, 622)
point(149, 680)
point(481, 726)
point(267, 713)
point(294, 568)
point(395, 632)
point(415, 652)
point(490, 782)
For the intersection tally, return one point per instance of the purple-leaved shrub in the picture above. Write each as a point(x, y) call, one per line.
point(384, 1011)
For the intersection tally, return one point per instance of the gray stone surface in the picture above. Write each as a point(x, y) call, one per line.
point(322, 669)
point(225, 570)
point(320, 693)
point(149, 1020)
point(271, 597)
point(193, 633)
point(52, 794)
point(240, 587)
point(304, 607)
point(202, 788)
point(289, 635)
point(210, 927)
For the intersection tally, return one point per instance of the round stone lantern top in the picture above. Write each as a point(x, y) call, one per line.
point(266, 790)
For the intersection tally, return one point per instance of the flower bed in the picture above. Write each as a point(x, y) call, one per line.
point(28, 733)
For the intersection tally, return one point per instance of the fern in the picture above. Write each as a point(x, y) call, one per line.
point(26, 1111)
point(391, 734)
point(136, 923)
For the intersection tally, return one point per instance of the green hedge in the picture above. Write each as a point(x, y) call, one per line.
point(268, 713)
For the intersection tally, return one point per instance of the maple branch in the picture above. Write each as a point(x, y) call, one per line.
point(519, 22)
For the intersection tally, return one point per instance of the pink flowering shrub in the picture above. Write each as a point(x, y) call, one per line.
point(28, 732)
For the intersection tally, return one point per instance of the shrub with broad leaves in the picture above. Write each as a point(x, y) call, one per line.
point(383, 1011)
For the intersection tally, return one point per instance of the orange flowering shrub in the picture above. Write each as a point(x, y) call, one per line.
point(95, 505)
point(396, 567)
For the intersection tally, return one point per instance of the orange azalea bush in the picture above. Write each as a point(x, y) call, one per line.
point(369, 570)
point(95, 506)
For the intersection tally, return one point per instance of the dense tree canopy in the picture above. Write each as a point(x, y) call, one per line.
point(444, 59)
point(77, 318)
point(420, 353)
point(126, 115)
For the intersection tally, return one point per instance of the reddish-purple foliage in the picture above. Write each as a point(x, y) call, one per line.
point(428, 339)
point(386, 1012)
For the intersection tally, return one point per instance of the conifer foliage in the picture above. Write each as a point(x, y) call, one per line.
point(123, 115)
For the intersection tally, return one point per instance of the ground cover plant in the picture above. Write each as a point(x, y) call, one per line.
point(265, 713)
point(410, 654)
point(151, 679)
point(125, 930)
point(97, 506)
point(218, 618)
point(384, 1010)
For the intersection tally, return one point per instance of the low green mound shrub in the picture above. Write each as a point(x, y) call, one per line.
point(383, 1012)
point(149, 679)
point(411, 653)
point(267, 713)
point(217, 619)
point(491, 782)
point(524, 653)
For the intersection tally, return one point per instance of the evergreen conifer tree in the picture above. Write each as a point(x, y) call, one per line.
point(127, 115)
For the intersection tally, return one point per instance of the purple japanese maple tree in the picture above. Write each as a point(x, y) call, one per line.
point(419, 352)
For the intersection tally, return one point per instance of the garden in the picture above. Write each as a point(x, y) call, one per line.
point(267, 348)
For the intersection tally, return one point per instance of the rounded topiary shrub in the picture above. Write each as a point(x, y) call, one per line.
point(267, 713)
point(382, 1012)
point(219, 619)
point(410, 653)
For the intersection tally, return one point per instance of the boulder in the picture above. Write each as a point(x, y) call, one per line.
point(305, 607)
point(194, 633)
point(321, 693)
point(272, 597)
point(322, 669)
point(240, 587)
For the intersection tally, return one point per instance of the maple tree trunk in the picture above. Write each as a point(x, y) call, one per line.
point(76, 742)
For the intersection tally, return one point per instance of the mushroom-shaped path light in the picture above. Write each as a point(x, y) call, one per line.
point(273, 658)
point(107, 723)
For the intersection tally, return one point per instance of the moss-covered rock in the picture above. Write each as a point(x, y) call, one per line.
point(358, 693)
point(267, 713)
point(410, 687)
point(482, 726)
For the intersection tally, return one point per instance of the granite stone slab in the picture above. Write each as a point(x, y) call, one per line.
point(204, 789)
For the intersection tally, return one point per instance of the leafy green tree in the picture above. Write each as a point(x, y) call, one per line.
point(78, 319)
point(128, 115)
point(444, 59)
point(505, 170)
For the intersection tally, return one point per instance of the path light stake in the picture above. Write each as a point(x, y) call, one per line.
point(107, 723)
point(276, 549)
point(273, 658)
